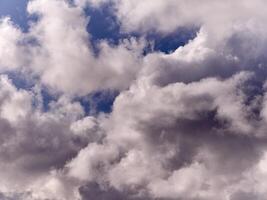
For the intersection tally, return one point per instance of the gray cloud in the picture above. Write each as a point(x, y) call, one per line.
point(187, 125)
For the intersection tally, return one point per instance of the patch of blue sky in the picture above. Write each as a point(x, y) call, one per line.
point(17, 11)
point(170, 42)
point(20, 80)
point(103, 25)
point(98, 102)
point(26, 82)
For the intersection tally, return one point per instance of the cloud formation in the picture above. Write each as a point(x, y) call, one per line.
point(188, 124)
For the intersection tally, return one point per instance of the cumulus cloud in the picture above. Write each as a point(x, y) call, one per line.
point(185, 143)
point(11, 51)
point(188, 124)
point(57, 47)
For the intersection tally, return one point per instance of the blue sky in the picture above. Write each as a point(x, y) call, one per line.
point(16, 9)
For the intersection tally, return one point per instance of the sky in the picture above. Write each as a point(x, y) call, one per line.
point(16, 10)
point(133, 100)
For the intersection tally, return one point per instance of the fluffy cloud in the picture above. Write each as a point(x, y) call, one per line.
point(189, 125)
point(11, 50)
point(173, 146)
point(57, 48)
point(61, 33)
point(168, 15)
point(35, 144)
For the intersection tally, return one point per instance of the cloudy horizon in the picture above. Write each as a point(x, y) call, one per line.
point(133, 100)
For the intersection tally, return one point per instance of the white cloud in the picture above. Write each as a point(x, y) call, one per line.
point(10, 49)
point(189, 124)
